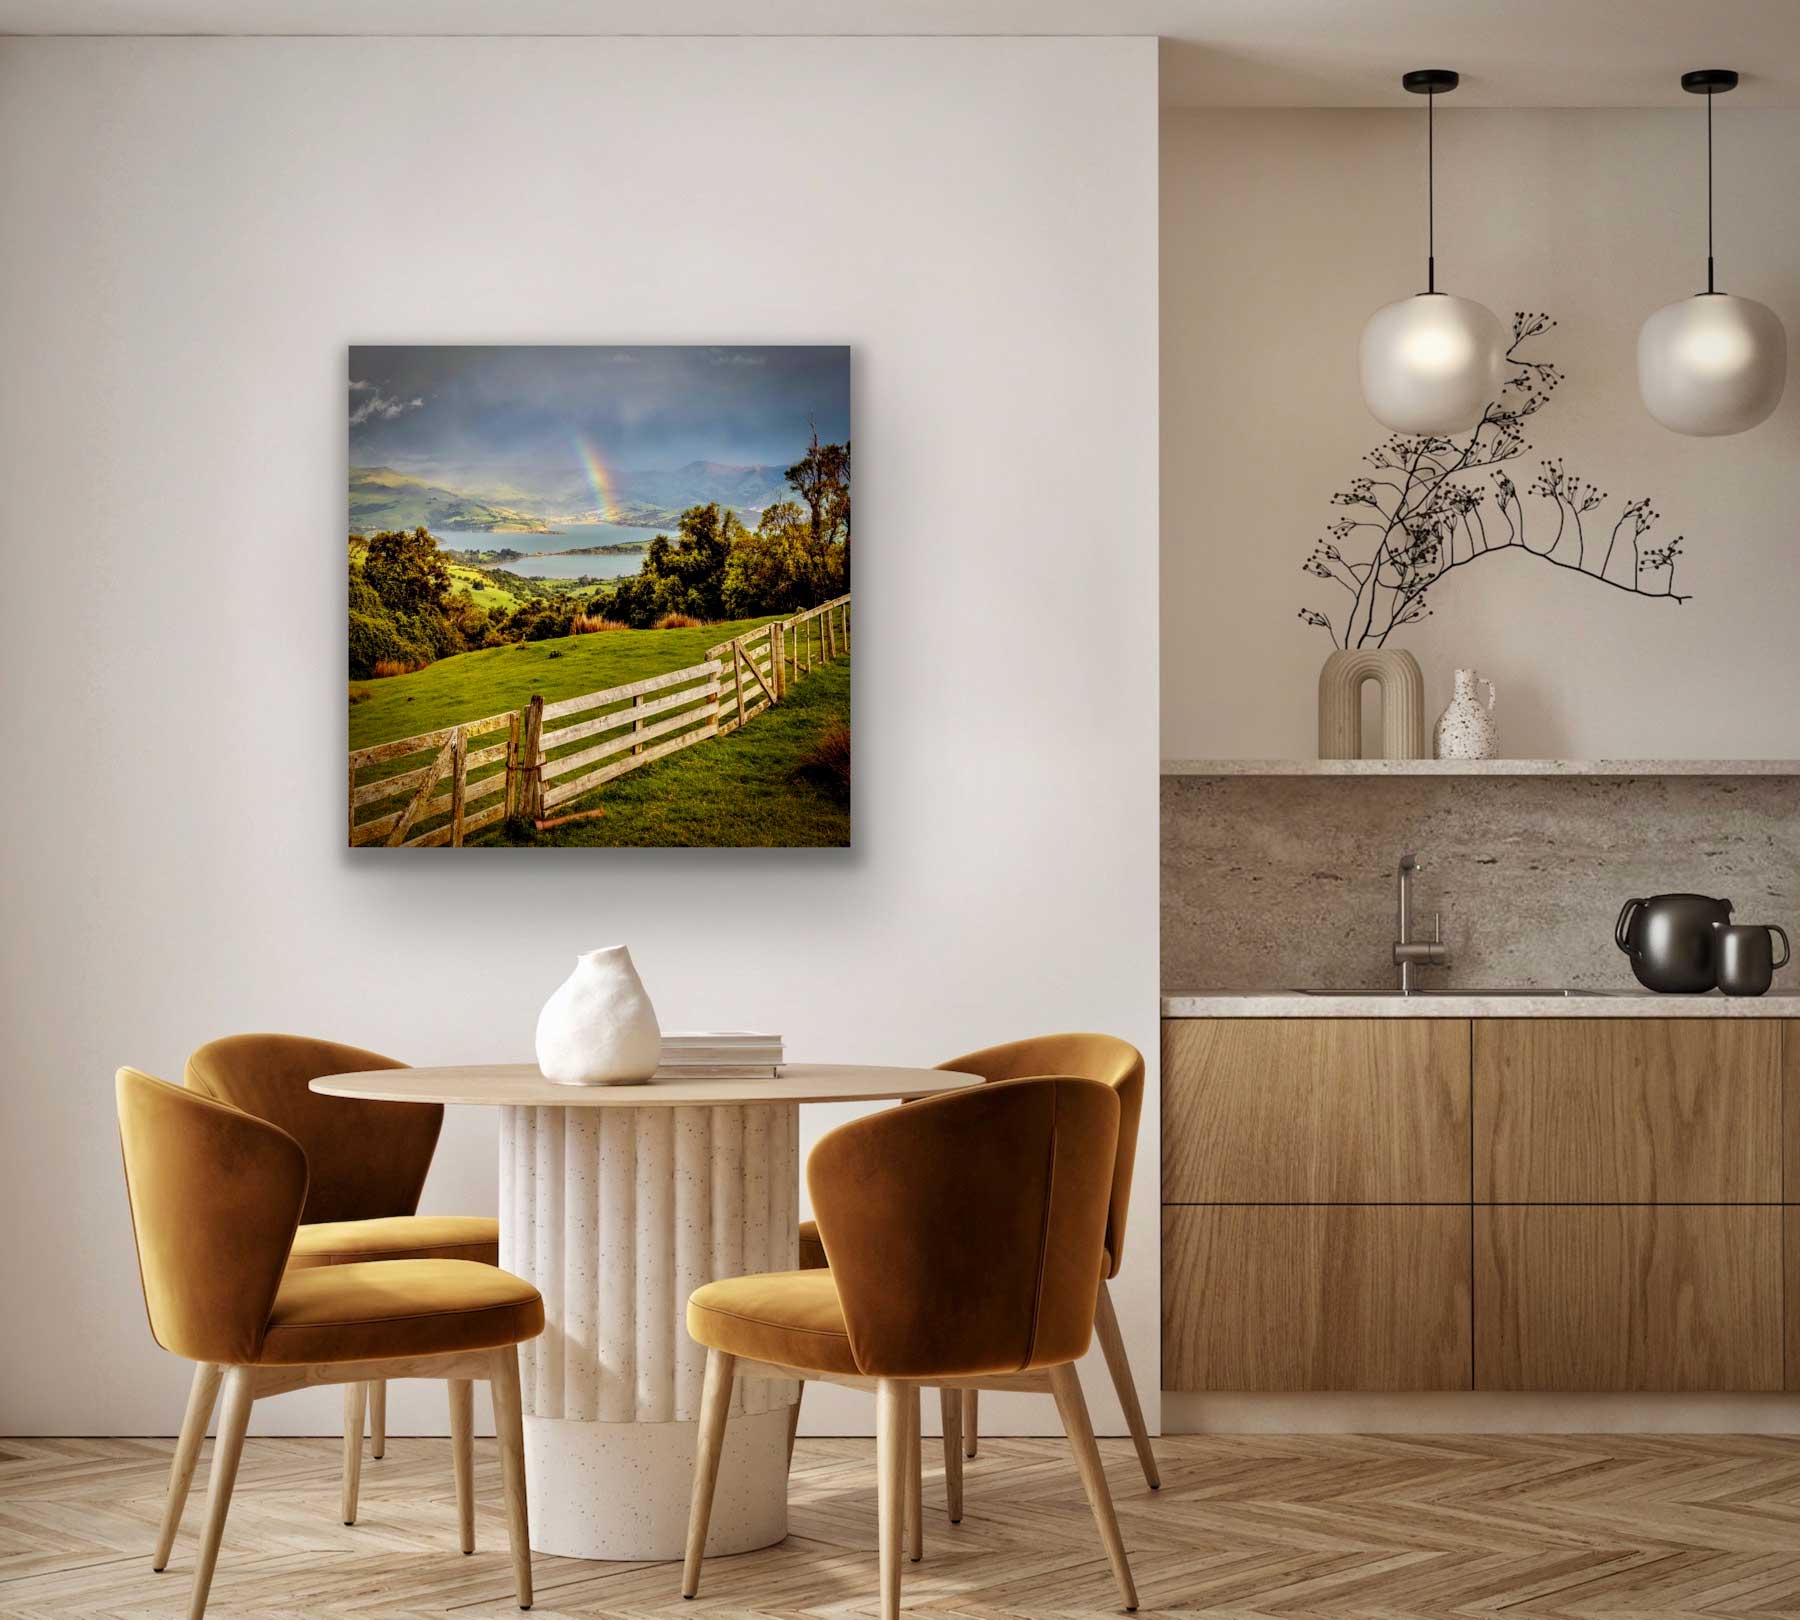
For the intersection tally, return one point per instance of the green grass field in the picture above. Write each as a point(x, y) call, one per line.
point(464, 578)
point(471, 686)
point(738, 790)
point(730, 792)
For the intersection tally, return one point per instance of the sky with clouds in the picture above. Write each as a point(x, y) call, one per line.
point(518, 417)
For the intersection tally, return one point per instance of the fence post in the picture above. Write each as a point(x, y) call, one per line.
point(775, 679)
point(737, 671)
point(531, 781)
point(459, 764)
point(511, 792)
point(352, 800)
point(637, 724)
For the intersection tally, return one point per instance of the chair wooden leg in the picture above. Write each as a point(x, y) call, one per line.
point(891, 1428)
point(950, 1409)
point(915, 1479)
point(201, 1397)
point(462, 1457)
point(355, 1398)
point(378, 1418)
point(709, 1446)
point(1073, 1406)
point(509, 1424)
point(1112, 1345)
point(971, 1419)
point(794, 1421)
point(240, 1393)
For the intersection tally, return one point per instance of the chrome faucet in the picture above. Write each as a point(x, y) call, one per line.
point(1410, 954)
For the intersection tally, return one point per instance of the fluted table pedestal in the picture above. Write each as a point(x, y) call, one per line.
point(617, 1215)
point(616, 1203)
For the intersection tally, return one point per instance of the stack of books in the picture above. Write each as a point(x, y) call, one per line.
point(719, 1054)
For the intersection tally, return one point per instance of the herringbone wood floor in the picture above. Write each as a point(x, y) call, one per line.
point(1370, 1528)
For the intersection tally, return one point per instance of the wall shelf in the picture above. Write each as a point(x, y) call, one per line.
point(1481, 767)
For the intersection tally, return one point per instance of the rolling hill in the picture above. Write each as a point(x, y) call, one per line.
point(381, 498)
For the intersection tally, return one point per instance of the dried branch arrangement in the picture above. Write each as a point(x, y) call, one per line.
point(1437, 504)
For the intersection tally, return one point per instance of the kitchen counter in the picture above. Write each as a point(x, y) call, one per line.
point(1628, 1004)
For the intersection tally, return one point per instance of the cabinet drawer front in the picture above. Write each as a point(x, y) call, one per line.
point(1315, 1110)
point(1337, 1297)
point(1628, 1297)
point(1791, 1299)
point(1617, 1110)
point(1790, 1063)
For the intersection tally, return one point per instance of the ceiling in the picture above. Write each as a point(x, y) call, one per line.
point(1216, 53)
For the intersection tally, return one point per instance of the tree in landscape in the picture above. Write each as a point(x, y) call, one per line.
point(683, 575)
point(797, 556)
point(822, 478)
point(404, 611)
point(405, 570)
point(768, 569)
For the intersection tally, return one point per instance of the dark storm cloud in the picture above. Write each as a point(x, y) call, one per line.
point(516, 414)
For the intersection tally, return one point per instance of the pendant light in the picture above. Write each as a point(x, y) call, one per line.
point(1711, 364)
point(1431, 363)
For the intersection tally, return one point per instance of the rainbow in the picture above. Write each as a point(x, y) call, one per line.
point(602, 480)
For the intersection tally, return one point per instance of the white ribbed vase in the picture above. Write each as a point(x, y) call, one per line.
point(616, 1215)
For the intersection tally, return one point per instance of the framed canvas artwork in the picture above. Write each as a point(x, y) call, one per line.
point(599, 596)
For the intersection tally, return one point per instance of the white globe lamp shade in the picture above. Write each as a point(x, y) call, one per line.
point(1430, 364)
point(1712, 364)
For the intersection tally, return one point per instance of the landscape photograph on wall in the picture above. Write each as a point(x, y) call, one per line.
point(599, 596)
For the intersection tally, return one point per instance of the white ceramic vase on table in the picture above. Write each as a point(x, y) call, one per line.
point(616, 1203)
point(598, 1028)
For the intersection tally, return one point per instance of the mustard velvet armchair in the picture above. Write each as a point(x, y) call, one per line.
point(910, 1301)
point(216, 1197)
point(1120, 1065)
point(368, 1163)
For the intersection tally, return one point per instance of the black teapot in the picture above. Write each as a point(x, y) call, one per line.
point(1669, 938)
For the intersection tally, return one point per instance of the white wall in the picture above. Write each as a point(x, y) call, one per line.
point(1283, 231)
point(193, 230)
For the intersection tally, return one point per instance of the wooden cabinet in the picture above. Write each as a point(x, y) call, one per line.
point(1316, 1228)
point(1332, 1296)
point(1316, 1111)
point(1628, 1297)
point(1791, 1266)
point(1790, 1074)
point(1628, 1111)
point(1508, 1204)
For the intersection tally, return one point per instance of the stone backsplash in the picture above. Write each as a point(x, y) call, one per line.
point(1272, 882)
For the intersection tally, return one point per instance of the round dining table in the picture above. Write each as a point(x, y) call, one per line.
point(616, 1203)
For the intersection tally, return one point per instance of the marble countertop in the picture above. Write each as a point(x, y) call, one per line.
point(1481, 767)
point(1471, 1004)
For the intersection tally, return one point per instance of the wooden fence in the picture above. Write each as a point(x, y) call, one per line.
point(440, 788)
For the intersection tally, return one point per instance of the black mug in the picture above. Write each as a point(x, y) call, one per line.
point(1744, 956)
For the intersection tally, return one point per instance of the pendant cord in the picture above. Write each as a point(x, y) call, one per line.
point(1709, 192)
point(1431, 190)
